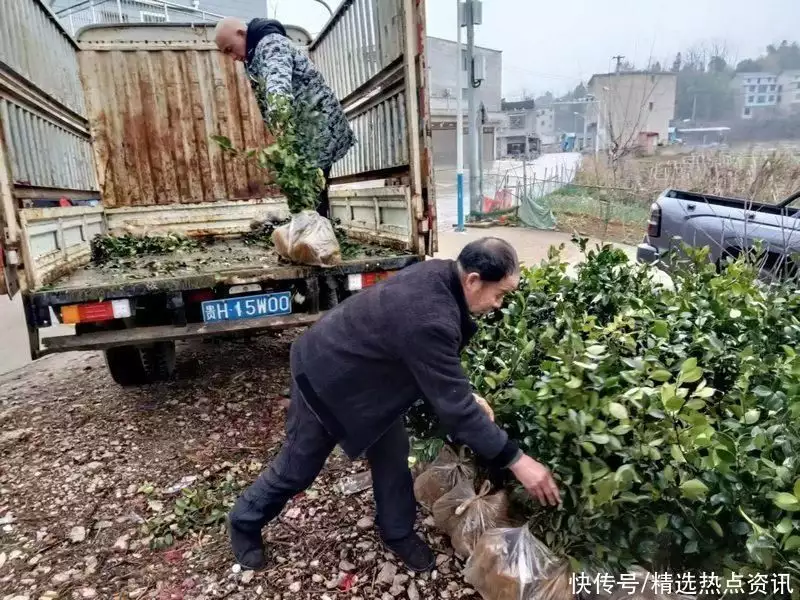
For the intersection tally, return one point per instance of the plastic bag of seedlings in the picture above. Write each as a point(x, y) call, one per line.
point(445, 472)
point(465, 516)
point(308, 239)
point(511, 564)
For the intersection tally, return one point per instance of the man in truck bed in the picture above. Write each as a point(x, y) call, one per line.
point(277, 68)
point(358, 370)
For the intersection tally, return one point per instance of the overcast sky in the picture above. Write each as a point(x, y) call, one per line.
point(554, 44)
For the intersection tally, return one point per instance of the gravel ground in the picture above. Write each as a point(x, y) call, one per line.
point(112, 493)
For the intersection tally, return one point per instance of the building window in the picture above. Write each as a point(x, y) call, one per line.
point(758, 80)
point(752, 88)
point(762, 89)
point(761, 100)
point(779, 98)
point(750, 99)
point(651, 106)
point(465, 94)
point(516, 121)
point(797, 97)
point(772, 88)
point(771, 99)
point(746, 114)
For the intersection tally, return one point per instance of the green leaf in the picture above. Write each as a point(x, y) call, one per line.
point(589, 447)
point(793, 543)
point(617, 410)
point(677, 454)
point(735, 313)
point(574, 383)
point(660, 329)
point(694, 489)
point(596, 350)
point(490, 381)
point(660, 375)
point(751, 416)
point(691, 547)
point(599, 438)
point(796, 489)
point(691, 375)
point(762, 391)
point(705, 392)
point(785, 526)
point(689, 364)
point(716, 527)
point(662, 521)
point(787, 502)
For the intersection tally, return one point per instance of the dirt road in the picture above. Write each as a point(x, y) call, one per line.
point(91, 504)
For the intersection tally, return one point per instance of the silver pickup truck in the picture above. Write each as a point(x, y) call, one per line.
point(726, 225)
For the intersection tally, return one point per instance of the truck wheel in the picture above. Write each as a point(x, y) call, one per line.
point(131, 366)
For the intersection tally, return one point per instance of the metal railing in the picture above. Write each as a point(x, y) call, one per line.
point(93, 12)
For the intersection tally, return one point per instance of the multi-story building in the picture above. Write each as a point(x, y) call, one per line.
point(631, 109)
point(526, 129)
point(766, 95)
point(445, 83)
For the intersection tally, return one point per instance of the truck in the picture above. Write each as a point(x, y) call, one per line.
point(111, 132)
point(728, 226)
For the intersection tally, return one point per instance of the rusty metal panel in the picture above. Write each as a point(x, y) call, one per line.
point(35, 46)
point(155, 96)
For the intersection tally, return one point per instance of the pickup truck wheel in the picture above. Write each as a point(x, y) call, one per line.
point(132, 366)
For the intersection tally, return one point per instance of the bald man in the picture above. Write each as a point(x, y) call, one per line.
point(277, 68)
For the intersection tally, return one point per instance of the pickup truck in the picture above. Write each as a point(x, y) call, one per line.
point(727, 226)
point(111, 132)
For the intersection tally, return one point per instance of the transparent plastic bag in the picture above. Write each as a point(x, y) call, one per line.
point(308, 239)
point(446, 471)
point(465, 516)
point(511, 564)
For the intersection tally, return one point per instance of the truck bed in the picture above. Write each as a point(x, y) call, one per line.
point(228, 262)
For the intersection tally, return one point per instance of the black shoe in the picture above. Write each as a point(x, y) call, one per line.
point(415, 553)
point(248, 547)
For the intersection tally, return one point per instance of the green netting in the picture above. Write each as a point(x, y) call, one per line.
point(536, 211)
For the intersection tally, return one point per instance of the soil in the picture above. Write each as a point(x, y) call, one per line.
point(89, 468)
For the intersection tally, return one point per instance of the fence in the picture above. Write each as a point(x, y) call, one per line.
point(93, 12)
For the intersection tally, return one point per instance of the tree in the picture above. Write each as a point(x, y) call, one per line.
point(656, 67)
point(677, 63)
point(748, 65)
point(717, 64)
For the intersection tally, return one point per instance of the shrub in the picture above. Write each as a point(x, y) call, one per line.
point(668, 415)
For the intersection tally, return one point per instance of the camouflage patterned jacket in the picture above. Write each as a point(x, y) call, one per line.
point(276, 66)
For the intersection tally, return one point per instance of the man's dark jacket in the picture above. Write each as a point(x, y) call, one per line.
point(363, 365)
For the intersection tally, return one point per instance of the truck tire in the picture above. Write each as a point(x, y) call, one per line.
point(132, 366)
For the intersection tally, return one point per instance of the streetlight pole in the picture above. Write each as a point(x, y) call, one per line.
point(460, 14)
point(474, 189)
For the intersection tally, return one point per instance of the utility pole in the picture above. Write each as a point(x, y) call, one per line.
point(460, 15)
point(694, 109)
point(618, 58)
point(471, 8)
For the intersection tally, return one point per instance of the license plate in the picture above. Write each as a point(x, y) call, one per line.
point(247, 307)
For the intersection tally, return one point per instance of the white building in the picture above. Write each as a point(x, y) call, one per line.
point(444, 88)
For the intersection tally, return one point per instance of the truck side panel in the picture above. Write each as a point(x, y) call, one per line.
point(372, 53)
point(45, 152)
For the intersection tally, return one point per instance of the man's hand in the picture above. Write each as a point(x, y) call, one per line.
point(484, 405)
point(537, 480)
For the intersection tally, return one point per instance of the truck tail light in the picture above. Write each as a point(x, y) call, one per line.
point(359, 281)
point(95, 312)
point(654, 224)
